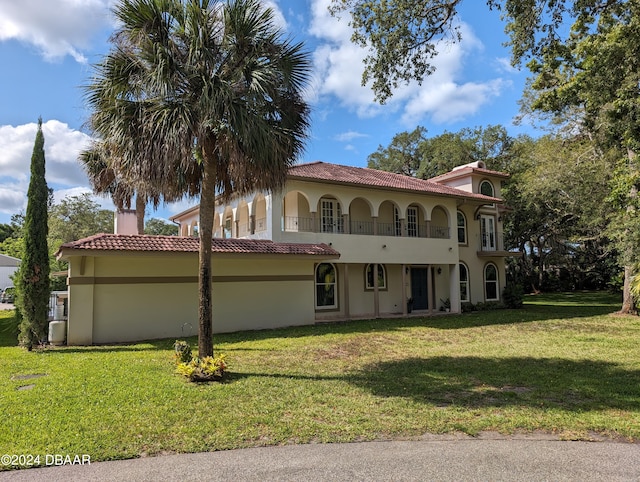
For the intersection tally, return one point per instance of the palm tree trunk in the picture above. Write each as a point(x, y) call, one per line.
point(141, 205)
point(205, 311)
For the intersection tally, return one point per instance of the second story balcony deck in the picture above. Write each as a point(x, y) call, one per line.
point(367, 228)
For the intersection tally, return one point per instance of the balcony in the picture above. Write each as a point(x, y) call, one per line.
point(369, 228)
point(492, 244)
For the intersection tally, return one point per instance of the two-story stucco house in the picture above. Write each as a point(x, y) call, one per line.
point(336, 243)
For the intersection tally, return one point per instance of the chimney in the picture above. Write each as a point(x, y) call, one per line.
point(125, 222)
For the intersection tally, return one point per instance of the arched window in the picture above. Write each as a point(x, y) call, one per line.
point(490, 282)
point(464, 282)
point(462, 228)
point(382, 277)
point(326, 286)
point(486, 188)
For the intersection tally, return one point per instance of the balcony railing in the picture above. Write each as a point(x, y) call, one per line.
point(361, 227)
point(490, 242)
point(311, 225)
point(389, 229)
point(300, 225)
point(261, 225)
point(440, 232)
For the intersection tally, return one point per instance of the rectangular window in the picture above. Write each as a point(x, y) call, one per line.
point(462, 229)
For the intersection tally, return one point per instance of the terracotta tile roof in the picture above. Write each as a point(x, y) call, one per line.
point(336, 173)
point(184, 244)
point(467, 170)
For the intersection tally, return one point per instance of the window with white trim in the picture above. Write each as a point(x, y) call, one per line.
point(382, 277)
point(326, 281)
point(462, 228)
point(464, 282)
point(491, 282)
point(486, 188)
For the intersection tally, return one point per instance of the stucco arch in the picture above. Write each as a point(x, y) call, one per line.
point(440, 223)
point(243, 219)
point(296, 211)
point(217, 225)
point(388, 225)
point(360, 216)
point(259, 210)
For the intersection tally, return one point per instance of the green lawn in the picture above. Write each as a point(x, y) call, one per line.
point(563, 364)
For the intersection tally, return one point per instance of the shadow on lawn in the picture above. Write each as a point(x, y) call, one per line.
point(479, 382)
point(530, 313)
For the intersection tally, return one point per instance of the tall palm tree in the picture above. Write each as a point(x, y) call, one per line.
point(209, 91)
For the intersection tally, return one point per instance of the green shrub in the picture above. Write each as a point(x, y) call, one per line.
point(203, 369)
point(182, 351)
point(467, 307)
point(513, 296)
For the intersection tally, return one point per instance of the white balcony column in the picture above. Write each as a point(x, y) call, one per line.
point(375, 225)
point(346, 224)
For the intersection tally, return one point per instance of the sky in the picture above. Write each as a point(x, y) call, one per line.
point(48, 47)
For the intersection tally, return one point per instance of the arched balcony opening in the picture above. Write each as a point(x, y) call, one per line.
point(228, 223)
point(389, 221)
point(297, 216)
point(193, 228)
point(360, 219)
point(217, 226)
point(260, 213)
point(439, 228)
point(244, 220)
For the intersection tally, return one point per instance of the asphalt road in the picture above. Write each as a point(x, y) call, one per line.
point(437, 458)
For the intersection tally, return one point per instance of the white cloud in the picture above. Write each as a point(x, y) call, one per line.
point(57, 28)
point(63, 172)
point(349, 135)
point(504, 65)
point(445, 96)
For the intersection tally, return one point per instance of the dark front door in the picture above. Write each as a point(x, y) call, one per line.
point(419, 288)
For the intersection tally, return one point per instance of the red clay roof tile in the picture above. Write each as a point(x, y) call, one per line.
point(336, 173)
point(184, 244)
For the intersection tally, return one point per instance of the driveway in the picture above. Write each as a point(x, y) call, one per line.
point(442, 458)
point(6, 306)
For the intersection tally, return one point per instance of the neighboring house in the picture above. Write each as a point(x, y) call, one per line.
point(8, 266)
point(336, 243)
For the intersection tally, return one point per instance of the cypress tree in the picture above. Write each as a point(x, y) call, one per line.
point(33, 277)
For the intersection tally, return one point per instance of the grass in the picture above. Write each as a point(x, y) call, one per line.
point(563, 364)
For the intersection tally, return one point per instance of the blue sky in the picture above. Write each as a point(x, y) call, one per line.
point(47, 49)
